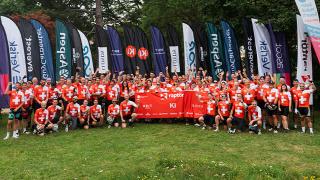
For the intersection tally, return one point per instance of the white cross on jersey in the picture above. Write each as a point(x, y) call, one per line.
point(16, 100)
point(69, 94)
point(302, 100)
point(209, 109)
point(111, 94)
point(83, 92)
point(224, 109)
point(41, 118)
point(238, 111)
point(283, 100)
point(43, 95)
point(270, 98)
point(248, 96)
point(73, 112)
point(126, 110)
point(261, 92)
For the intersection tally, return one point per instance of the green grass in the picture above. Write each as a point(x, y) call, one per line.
point(160, 151)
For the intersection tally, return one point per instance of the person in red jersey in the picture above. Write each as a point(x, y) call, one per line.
point(293, 91)
point(72, 114)
point(55, 115)
point(83, 90)
point(127, 112)
point(223, 112)
point(282, 81)
point(16, 101)
point(54, 93)
point(114, 114)
point(234, 91)
point(27, 107)
point(40, 94)
point(302, 102)
point(96, 116)
point(284, 105)
point(255, 117)
point(41, 120)
point(68, 92)
point(207, 119)
point(248, 93)
point(85, 114)
point(271, 97)
point(237, 115)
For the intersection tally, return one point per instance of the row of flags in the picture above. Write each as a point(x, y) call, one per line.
point(26, 50)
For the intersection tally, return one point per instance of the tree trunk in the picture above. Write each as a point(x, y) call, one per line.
point(99, 13)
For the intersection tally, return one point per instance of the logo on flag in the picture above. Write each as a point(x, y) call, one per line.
point(143, 53)
point(131, 51)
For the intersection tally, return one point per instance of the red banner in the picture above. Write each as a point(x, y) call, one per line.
point(170, 105)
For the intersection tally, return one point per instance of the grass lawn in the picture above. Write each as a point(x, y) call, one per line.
point(160, 151)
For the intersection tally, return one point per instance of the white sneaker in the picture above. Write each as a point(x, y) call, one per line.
point(66, 129)
point(109, 126)
point(7, 137)
point(259, 132)
point(275, 131)
point(203, 128)
point(197, 125)
point(270, 129)
point(15, 136)
point(216, 130)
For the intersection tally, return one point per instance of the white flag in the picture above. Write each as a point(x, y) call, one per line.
point(87, 56)
point(103, 59)
point(175, 63)
point(308, 11)
point(263, 48)
point(16, 51)
point(189, 49)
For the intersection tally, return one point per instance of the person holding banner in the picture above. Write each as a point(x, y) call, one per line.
point(16, 101)
point(127, 111)
point(302, 102)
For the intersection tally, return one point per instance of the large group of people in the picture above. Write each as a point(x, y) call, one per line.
point(235, 102)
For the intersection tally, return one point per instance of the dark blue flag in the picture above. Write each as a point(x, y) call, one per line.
point(45, 51)
point(231, 48)
point(158, 51)
point(116, 50)
point(4, 68)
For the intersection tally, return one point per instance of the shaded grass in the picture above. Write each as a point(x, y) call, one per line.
point(160, 151)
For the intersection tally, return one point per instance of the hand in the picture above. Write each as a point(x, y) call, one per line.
point(296, 110)
point(15, 110)
point(251, 122)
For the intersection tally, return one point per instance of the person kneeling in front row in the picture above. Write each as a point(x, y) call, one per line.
point(41, 120)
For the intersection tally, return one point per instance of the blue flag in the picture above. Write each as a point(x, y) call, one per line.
point(116, 50)
point(45, 51)
point(4, 68)
point(231, 48)
point(158, 51)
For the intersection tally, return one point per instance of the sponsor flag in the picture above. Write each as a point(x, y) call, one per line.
point(173, 43)
point(201, 40)
point(310, 17)
point(18, 69)
point(143, 51)
point(116, 50)
point(263, 48)
point(158, 51)
point(190, 58)
point(102, 43)
point(76, 47)
point(4, 68)
point(130, 45)
point(31, 48)
point(216, 55)
point(231, 48)
point(137, 50)
point(45, 51)
point(249, 45)
point(304, 64)
point(87, 56)
point(63, 51)
point(280, 55)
